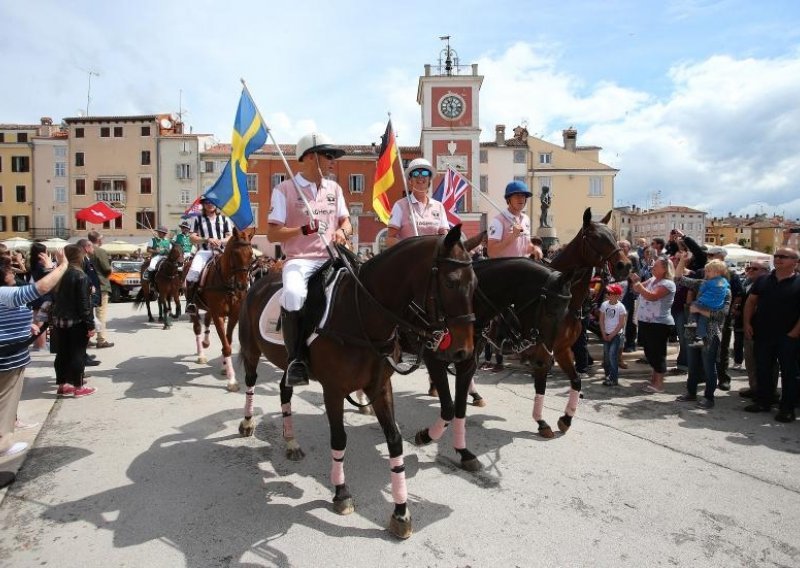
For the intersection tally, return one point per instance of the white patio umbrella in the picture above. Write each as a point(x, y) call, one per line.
point(119, 247)
point(740, 254)
point(17, 243)
point(55, 244)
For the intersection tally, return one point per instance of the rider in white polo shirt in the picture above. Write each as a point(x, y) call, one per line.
point(291, 225)
point(429, 214)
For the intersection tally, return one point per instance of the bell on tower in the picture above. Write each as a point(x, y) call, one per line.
point(450, 58)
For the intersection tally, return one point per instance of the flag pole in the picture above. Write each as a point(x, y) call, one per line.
point(405, 184)
point(289, 171)
point(479, 192)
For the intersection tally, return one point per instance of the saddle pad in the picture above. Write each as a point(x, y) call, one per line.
point(270, 317)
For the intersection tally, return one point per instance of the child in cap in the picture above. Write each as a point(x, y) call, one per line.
point(612, 323)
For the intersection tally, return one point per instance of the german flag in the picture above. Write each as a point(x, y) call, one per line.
point(384, 175)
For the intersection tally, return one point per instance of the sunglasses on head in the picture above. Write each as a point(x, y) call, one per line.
point(784, 256)
point(420, 173)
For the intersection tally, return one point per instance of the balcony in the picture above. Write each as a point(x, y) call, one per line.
point(110, 196)
point(51, 233)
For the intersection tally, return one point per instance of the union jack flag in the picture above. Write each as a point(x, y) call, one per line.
point(451, 190)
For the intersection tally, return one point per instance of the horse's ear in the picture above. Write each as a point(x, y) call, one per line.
point(606, 219)
point(587, 216)
point(472, 242)
point(453, 236)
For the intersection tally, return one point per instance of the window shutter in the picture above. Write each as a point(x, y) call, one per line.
point(97, 186)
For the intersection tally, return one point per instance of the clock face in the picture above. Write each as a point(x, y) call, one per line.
point(451, 106)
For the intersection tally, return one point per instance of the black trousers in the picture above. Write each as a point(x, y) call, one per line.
point(70, 360)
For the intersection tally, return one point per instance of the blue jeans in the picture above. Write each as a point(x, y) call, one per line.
point(703, 362)
point(611, 356)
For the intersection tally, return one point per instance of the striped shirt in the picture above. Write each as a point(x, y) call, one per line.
point(217, 228)
point(15, 322)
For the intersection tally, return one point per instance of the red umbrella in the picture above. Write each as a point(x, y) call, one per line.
point(97, 213)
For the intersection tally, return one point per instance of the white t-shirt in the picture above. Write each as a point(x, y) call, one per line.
point(613, 313)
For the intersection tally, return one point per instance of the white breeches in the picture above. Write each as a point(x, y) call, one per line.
point(296, 273)
point(154, 261)
point(200, 259)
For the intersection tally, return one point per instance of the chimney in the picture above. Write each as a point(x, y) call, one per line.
point(46, 126)
point(500, 134)
point(570, 139)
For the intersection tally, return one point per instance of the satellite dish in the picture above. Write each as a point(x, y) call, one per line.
point(166, 123)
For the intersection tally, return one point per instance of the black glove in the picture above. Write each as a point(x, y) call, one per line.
point(310, 229)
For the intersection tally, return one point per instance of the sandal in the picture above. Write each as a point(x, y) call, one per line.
point(650, 389)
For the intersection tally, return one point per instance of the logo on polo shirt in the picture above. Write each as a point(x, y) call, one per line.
point(331, 198)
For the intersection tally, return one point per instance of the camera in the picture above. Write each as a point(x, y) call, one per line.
point(794, 230)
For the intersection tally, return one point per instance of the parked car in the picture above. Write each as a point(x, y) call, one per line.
point(125, 279)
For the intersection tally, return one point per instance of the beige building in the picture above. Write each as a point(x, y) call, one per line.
point(179, 173)
point(576, 179)
point(51, 211)
point(633, 223)
point(115, 159)
point(501, 161)
point(16, 179)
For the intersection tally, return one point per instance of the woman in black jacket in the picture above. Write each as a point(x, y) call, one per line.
point(73, 322)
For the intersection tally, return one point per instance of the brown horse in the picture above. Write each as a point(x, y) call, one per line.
point(422, 286)
point(168, 284)
point(164, 286)
point(527, 300)
point(221, 289)
point(595, 246)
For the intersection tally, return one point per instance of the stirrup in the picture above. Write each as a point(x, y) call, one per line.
point(297, 373)
point(191, 309)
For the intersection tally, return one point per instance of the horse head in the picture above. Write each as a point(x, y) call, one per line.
point(450, 300)
point(600, 247)
point(237, 257)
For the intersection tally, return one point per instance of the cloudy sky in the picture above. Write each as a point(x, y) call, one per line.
point(697, 102)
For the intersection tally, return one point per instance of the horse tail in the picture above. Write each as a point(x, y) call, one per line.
point(139, 299)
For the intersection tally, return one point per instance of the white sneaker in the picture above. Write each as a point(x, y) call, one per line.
point(737, 366)
point(15, 449)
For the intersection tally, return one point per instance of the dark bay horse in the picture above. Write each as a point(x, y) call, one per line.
point(421, 286)
point(166, 287)
point(529, 300)
point(222, 287)
point(595, 246)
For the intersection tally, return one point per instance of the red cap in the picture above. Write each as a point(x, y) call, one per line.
point(614, 289)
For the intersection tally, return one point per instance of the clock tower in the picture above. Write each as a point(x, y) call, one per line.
point(448, 94)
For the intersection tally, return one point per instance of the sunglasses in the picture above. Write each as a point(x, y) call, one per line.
point(420, 173)
point(784, 256)
point(326, 155)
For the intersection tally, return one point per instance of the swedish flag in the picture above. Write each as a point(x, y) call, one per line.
point(229, 192)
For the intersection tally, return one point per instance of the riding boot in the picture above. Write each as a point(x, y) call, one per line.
point(191, 289)
point(292, 327)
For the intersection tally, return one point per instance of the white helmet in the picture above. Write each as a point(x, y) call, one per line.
point(419, 164)
point(316, 142)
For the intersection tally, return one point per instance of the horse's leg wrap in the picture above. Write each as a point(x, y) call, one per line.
point(198, 339)
point(472, 388)
point(460, 433)
point(249, 398)
point(538, 406)
point(435, 432)
point(288, 426)
point(572, 402)
point(337, 467)
point(399, 491)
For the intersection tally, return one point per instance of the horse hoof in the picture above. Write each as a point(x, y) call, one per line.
point(247, 427)
point(433, 392)
point(471, 465)
point(563, 426)
point(202, 360)
point(401, 528)
point(422, 438)
point(366, 410)
point(293, 451)
point(546, 432)
point(344, 507)
point(151, 320)
point(480, 402)
point(233, 387)
point(167, 326)
point(206, 344)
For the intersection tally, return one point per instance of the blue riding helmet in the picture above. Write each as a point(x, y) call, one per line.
point(516, 187)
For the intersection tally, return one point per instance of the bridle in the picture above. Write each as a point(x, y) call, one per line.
point(602, 260)
point(520, 339)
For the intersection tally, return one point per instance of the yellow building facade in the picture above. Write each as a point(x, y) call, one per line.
point(16, 179)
